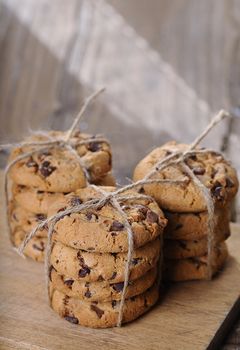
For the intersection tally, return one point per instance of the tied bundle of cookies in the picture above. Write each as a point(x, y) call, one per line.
point(42, 169)
point(95, 278)
point(197, 211)
point(46, 175)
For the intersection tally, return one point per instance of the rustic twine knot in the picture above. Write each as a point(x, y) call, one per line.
point(116, 199)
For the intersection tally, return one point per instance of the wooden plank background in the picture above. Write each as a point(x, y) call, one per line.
point(168, 67)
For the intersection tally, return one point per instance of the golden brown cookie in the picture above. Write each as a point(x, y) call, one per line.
point(101, 314)
point(35, 249)
point(192, 226)
point(212, 170)
point(34, 200)
point(91, 267)
point(103, 230)
point(195, 268)
point(101, 290)
point(24, 220)
point(180, 249)
point(57, 169)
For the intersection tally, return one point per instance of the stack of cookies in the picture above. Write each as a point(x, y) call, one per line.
point(45, 177)
point(88, 260)
point(186, 236)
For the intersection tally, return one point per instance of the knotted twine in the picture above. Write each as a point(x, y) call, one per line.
point(53, 142)
point(177, 158)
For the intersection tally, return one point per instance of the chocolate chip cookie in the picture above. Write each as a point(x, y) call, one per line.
point(101, 314)
point(102, 290)
point(35, 249)
point(103, 230)
point(195, 268)
point(194, 226)
point(36, 201)
point(212, 170)
point(26, 221)
point(57, 169)
point(91, 267)
point(180, 249)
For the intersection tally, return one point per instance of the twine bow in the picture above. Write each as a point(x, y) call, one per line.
point(117, 198)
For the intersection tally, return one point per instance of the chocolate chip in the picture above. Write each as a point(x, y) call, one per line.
point(193, 157)
point(98, 311)
point(84, 271)
point(31, 163)
point(141, 190)
point(116, 226)
point(71, 319)
point(91, 216)
point(198, 171)
point(217, 191)
point(118, 287)
point(114, 303)
point(135, 261)
point(40, 248)
point(61, 209)
point(151, 217)
point(88, 294)
point(229, 183)
point(178, 226)
point(69, 282)
point(66, 300)
point(14, 217)
point(46, 168)
point(100, 278)
point(50, 272)
point(94, 146)
point(113, 275)
point(75, 201)
point(41, 217)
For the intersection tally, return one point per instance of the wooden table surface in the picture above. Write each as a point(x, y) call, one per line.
point(188, 317)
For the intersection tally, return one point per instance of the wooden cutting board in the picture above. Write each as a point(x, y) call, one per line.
point(190, 316)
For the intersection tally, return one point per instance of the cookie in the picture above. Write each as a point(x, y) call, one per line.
point(192, 226)
point(91, 267)
point(101, 314)
point(195, 268)
point(103, 230)
point(34, 200)
point(21, 219)
point(102, 290)
point(57, 169)
point(35, 248)
point(180, 249)
point(212, 170)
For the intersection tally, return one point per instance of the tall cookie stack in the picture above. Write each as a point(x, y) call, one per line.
point(89, 255)
point(46, 176)
point(187, 234)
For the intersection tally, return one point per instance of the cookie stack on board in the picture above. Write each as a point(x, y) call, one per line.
point(45, 177)
point(89, 255)
point(186, 235)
